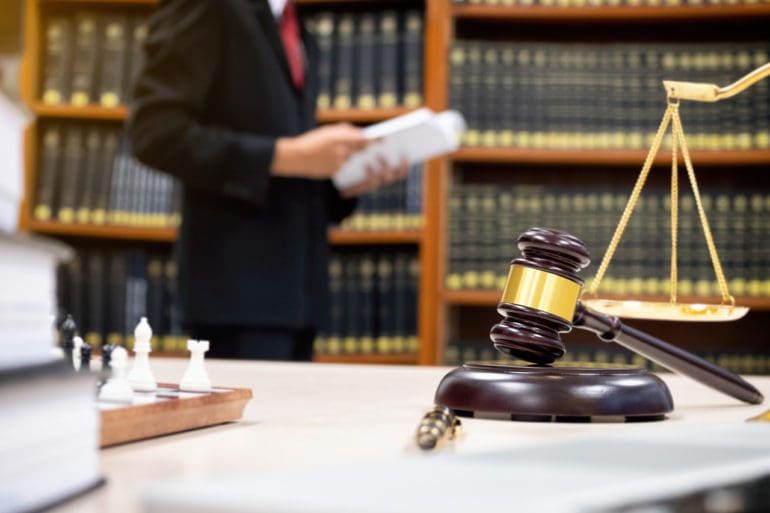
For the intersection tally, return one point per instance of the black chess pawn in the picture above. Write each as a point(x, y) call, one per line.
point(85, 357)
point(106, 359)
point(68, 331)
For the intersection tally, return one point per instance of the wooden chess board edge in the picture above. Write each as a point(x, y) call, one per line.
point(142, 421)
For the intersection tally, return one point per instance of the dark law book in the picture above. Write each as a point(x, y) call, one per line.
point(337, 290)
point(367, 311)
point(411, 342)
point(136, 57)
point(411, 59)
point(50, 160)
point(385, 304)
point(72, 164)
point(155, 297)
point(96, 298)
point(109, 148)
point(343, 81)
point(113, 65)
point(365, 62)
point(91, 172)
point(84, 65)
point(324, 34)
point(387, 46)
point(59, 43)
point(116, 311)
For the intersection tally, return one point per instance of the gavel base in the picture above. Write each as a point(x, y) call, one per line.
point(560, 393)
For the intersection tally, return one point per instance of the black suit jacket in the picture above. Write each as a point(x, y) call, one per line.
point(214, 95)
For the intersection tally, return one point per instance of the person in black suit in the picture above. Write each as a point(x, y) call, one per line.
point(226, 102)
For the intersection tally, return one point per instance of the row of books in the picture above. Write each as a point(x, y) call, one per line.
point(369, 59)
point(484, 221)
point(610, 3)
point(396, 206)
point(373, 303)
point(108, 291)
point(603, 96)
point(600, 354)
point(91, 57)
point(87, 175)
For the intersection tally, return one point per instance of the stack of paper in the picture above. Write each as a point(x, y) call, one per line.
point(11, 166)
point(413, 137)
point(27, 298)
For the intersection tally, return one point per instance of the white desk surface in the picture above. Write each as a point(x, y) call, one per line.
point(307, 415)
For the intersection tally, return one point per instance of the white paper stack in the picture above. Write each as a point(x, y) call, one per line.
point(12, 123)
point(414, 138)
point(27, 298)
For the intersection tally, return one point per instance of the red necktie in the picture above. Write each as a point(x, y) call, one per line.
point(291, 44)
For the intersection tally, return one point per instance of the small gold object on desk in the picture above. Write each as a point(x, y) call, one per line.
point(438, 425)
point(762, 417)
point(673, 310)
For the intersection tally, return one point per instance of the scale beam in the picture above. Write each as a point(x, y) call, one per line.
point(702, 92)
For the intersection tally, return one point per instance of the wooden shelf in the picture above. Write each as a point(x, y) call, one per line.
point(102, 231)
point(336, 235)
point(102, 2)
point(360, 115)
point(97, 112)
point(605, 157)
point(608, 13)
point(347, 237)
point(492, 297)
point(395, 358)
point(93, 112)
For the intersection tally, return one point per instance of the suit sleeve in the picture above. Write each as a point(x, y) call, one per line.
point(168, 127)
point(339, 207)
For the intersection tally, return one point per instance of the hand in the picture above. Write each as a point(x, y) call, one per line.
point(318, 153)
point(376, 177)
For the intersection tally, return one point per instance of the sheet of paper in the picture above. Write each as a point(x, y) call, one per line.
point(580, 475)
point(414, 137)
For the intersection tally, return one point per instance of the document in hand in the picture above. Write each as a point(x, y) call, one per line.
point(414, 137)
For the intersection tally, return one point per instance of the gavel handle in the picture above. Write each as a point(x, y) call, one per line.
point(610, 329)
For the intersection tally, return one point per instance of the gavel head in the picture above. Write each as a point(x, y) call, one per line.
point(540, 296)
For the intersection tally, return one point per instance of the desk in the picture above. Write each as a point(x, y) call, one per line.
point(307, 415)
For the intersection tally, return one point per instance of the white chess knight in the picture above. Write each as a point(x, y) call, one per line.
point(195, 378)
point(117, 388)
point(141, 377)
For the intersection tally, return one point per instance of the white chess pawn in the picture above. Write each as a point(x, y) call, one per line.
point(195, 378)
point(141, 377)
point(78, 341)
point(117, 388)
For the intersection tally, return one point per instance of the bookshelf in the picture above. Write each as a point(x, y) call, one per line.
point(457, 313)
point(37, 14)
point(445, 22)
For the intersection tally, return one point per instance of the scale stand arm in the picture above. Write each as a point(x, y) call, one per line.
point(702, 92)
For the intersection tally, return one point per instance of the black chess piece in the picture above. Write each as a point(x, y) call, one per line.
point(106, 359)
point(541, 300)
point(68, 330)
point(85, 357)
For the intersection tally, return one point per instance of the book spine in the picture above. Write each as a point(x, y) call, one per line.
point(365, 62)
point(86, 58)
point(343, 82)
point(72, 165)
point(112, 71)
point(411, 58)
point(59, 48)
point(50, 161)
point(388, 59)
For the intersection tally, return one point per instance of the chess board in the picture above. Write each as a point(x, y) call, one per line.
point(169, 410)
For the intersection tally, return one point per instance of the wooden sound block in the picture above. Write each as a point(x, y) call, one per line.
point(561, 392)
point(168, 410)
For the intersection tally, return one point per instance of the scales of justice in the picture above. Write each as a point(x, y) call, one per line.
point(544, 297)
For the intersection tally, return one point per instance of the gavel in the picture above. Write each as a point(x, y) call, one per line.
point(542, 299)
